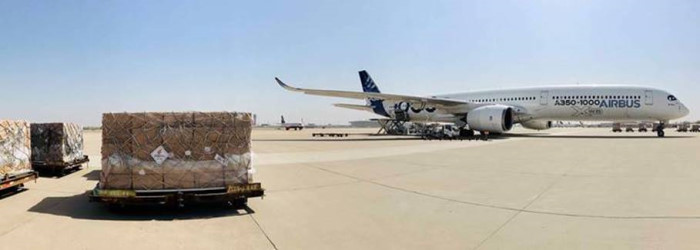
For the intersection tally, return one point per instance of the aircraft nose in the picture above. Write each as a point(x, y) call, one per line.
point(684, 110)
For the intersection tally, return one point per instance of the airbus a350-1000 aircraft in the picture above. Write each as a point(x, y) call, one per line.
point(496, 111)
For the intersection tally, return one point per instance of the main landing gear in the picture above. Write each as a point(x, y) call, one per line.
point(660, 130)
point(463, 132)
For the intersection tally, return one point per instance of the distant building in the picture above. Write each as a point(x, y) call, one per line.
point(364, 124)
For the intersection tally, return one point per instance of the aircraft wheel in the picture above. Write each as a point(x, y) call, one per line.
point(466, 133)
point(660, 133)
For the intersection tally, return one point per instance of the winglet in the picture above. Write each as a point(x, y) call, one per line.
point(285, 86)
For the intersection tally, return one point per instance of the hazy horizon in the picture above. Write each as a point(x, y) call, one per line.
point(74, 60)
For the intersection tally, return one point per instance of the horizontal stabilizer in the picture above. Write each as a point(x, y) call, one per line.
point(354, 106)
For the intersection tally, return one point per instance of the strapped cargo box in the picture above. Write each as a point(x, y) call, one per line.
point(57, 147)
point(15, 152)
point(175, 152)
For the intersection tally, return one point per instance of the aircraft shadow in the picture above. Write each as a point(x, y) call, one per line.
point(78, 207)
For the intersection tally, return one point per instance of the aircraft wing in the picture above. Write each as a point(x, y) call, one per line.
point(354, 106)
point(432, 101)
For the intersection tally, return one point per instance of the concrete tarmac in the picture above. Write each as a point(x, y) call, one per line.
point(558, 189)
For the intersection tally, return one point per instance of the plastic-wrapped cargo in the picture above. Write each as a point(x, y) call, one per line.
point(185, 150)
point(15, 151)
point(57, 143)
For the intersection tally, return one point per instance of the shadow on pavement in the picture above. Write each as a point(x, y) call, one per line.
point(78, 207)
point(93, 175)
point(545, 136)
point(342, 139)
point(49, 173)
point(11, 192)
point(490, 137)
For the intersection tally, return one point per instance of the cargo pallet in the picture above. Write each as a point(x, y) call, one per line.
point(60, 168)
point(17, 181)
point(234, 194)
point(329, 134)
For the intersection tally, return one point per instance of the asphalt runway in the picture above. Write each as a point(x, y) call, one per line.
point(559, 189)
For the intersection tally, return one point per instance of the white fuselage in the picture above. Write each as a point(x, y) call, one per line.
point(571, 103)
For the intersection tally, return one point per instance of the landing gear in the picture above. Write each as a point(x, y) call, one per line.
point(660, 130)
point(466, 133)
point(484, 135)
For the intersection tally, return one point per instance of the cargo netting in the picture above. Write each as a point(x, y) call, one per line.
point(57, 143)
point(185, 150)
point(15, 148)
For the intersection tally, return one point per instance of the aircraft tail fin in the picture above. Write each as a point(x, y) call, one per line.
point(368, 84)
point(283, 122)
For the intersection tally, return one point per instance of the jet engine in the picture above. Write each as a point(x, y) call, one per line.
point(491, 118)
point(537, 124)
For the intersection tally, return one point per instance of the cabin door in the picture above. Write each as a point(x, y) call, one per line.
point(649, 97)
point(544, 97)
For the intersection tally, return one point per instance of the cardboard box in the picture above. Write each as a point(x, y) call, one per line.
point(175, 150)
point(15, 150)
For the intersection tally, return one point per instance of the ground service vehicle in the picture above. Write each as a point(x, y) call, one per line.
point(695, 128)
point(617, 128)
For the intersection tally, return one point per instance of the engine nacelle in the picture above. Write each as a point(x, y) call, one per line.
point(492, 118)
point(537, 124)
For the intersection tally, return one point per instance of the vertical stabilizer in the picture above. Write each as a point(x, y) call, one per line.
point(368, 86)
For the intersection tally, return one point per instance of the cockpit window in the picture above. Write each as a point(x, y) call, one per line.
point(672, 98)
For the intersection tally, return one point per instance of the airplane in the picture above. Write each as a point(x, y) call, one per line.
point(289, 126)
point(496, 111)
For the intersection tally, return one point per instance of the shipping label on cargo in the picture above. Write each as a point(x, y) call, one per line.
point(221, 160)
point(160, 155)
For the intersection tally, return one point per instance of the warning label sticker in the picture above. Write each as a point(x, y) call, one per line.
point(160, 155)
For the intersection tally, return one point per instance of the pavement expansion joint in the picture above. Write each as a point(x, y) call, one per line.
point(263, 231)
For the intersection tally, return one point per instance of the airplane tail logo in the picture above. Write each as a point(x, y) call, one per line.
point(368, 86)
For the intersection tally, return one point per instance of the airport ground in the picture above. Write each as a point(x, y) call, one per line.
point(561, 189)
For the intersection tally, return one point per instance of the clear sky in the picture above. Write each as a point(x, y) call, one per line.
point(73, 60)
